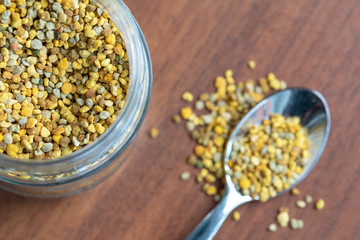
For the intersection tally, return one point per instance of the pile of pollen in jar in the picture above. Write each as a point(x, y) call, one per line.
point(64, 75)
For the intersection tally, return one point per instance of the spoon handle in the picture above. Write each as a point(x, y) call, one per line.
point(209, 226)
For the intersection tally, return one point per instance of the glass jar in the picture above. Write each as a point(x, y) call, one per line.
point(88, 166)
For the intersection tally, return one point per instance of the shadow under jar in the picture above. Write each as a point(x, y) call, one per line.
point(88, 166)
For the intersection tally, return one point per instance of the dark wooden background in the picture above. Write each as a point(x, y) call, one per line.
point(315, 44)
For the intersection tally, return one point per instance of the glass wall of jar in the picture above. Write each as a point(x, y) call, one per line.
point(88, 166)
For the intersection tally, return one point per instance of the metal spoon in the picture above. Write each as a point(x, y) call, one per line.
point(314, 113)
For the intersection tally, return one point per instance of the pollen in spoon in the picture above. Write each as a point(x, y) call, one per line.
point(270, 157)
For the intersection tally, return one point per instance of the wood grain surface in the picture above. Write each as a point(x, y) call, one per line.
point(314, 44)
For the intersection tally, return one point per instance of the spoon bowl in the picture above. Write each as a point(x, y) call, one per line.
point(312, 109)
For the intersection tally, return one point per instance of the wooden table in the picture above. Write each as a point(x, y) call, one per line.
point(315, 44)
